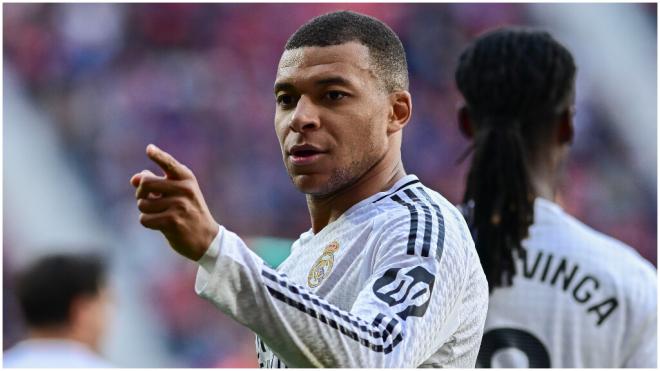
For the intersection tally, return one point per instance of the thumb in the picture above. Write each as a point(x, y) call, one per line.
point(136, 178)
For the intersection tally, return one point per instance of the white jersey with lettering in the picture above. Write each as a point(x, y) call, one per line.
point(394, 282)
point(579, 299)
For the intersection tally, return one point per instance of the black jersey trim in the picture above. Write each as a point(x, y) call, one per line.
point(420, 199)
point(441, 223)
point(397, 190)
point(412, 235)
point(318, 314)
point(428, 221)
point(335, 325)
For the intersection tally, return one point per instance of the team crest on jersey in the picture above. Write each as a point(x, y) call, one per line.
point(323, 265)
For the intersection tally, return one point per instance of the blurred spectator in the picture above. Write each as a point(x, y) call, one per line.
point(65, 303)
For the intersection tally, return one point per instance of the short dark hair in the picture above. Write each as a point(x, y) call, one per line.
point(47, 288)
point(515, 81)
point(385, 49)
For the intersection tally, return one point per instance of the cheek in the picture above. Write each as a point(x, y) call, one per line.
point(365, 139)
point(374, 130)
point(280, 131)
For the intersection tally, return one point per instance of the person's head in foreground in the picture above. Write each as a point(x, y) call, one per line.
point(342, 101)
point(518, 85)
point(65, 297)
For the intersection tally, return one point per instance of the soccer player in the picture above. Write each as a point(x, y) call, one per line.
point(387, 276)
point(562, 294)
point(65, 303)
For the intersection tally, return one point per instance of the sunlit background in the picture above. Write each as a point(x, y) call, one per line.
point(88, 86)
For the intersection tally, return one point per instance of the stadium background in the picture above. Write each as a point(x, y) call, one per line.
point(87, 86)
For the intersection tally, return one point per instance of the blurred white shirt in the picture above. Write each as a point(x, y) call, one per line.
point(55, 353)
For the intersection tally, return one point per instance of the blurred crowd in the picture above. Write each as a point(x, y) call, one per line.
point(196, 80)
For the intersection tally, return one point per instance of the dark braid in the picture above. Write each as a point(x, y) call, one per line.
point(515, 83)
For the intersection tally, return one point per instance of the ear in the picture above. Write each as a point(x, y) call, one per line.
point(464, 122)
point(401, 111)
point(78, 310)
point(565, 129)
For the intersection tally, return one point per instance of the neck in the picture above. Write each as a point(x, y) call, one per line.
point(545, 179)
point(323, 210)
point(52, 332)
point(544, 189)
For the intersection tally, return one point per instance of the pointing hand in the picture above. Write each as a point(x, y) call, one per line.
point(174, 205)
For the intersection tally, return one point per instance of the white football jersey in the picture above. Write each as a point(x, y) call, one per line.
point(579, 299)
point(394, 282)
point(52, 353)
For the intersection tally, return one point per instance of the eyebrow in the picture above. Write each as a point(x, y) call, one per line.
point(282, 86)
point(332, 80)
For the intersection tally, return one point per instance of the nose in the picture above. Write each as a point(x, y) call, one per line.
point(305, 116)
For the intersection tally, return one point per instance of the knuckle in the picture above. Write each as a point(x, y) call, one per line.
point(147, 206)
point(144, 220)
point(175, 222)
point(138, 191)
point(188, 188)
point(144, 179)
point(178, 204)
point(142, 191)
point(147, 181)
point(183, 206)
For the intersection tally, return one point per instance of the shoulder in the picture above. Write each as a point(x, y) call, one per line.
point(611, 252)
point(418, 227)
point(412, 202)
point(614, 260)
point(425, 222)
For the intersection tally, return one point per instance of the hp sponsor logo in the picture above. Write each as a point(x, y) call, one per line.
point(406, 290)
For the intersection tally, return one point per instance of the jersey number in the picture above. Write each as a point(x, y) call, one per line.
point(503, 338)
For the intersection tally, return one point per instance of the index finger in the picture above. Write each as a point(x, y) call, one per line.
point(173, 169)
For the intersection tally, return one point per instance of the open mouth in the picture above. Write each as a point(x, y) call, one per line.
point(304, 154)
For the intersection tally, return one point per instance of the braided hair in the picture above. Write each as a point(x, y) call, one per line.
point(516, 82)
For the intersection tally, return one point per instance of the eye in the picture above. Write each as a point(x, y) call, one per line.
point(285, 100)
point(335, 95)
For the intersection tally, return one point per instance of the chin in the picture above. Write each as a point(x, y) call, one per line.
point(311, 184)
point(321, 185)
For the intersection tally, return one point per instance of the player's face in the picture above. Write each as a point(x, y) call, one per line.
point(331, 116)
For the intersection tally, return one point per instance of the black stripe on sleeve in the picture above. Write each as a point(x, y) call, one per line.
point(412, 235)
point(318, 314)
point(314, 300)
point(337, 326)
point(428, 222)
point(441, 223)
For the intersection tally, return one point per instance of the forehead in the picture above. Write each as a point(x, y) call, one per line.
point(350, 60)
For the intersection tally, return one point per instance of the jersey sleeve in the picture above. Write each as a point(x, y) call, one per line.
point(410, 306)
